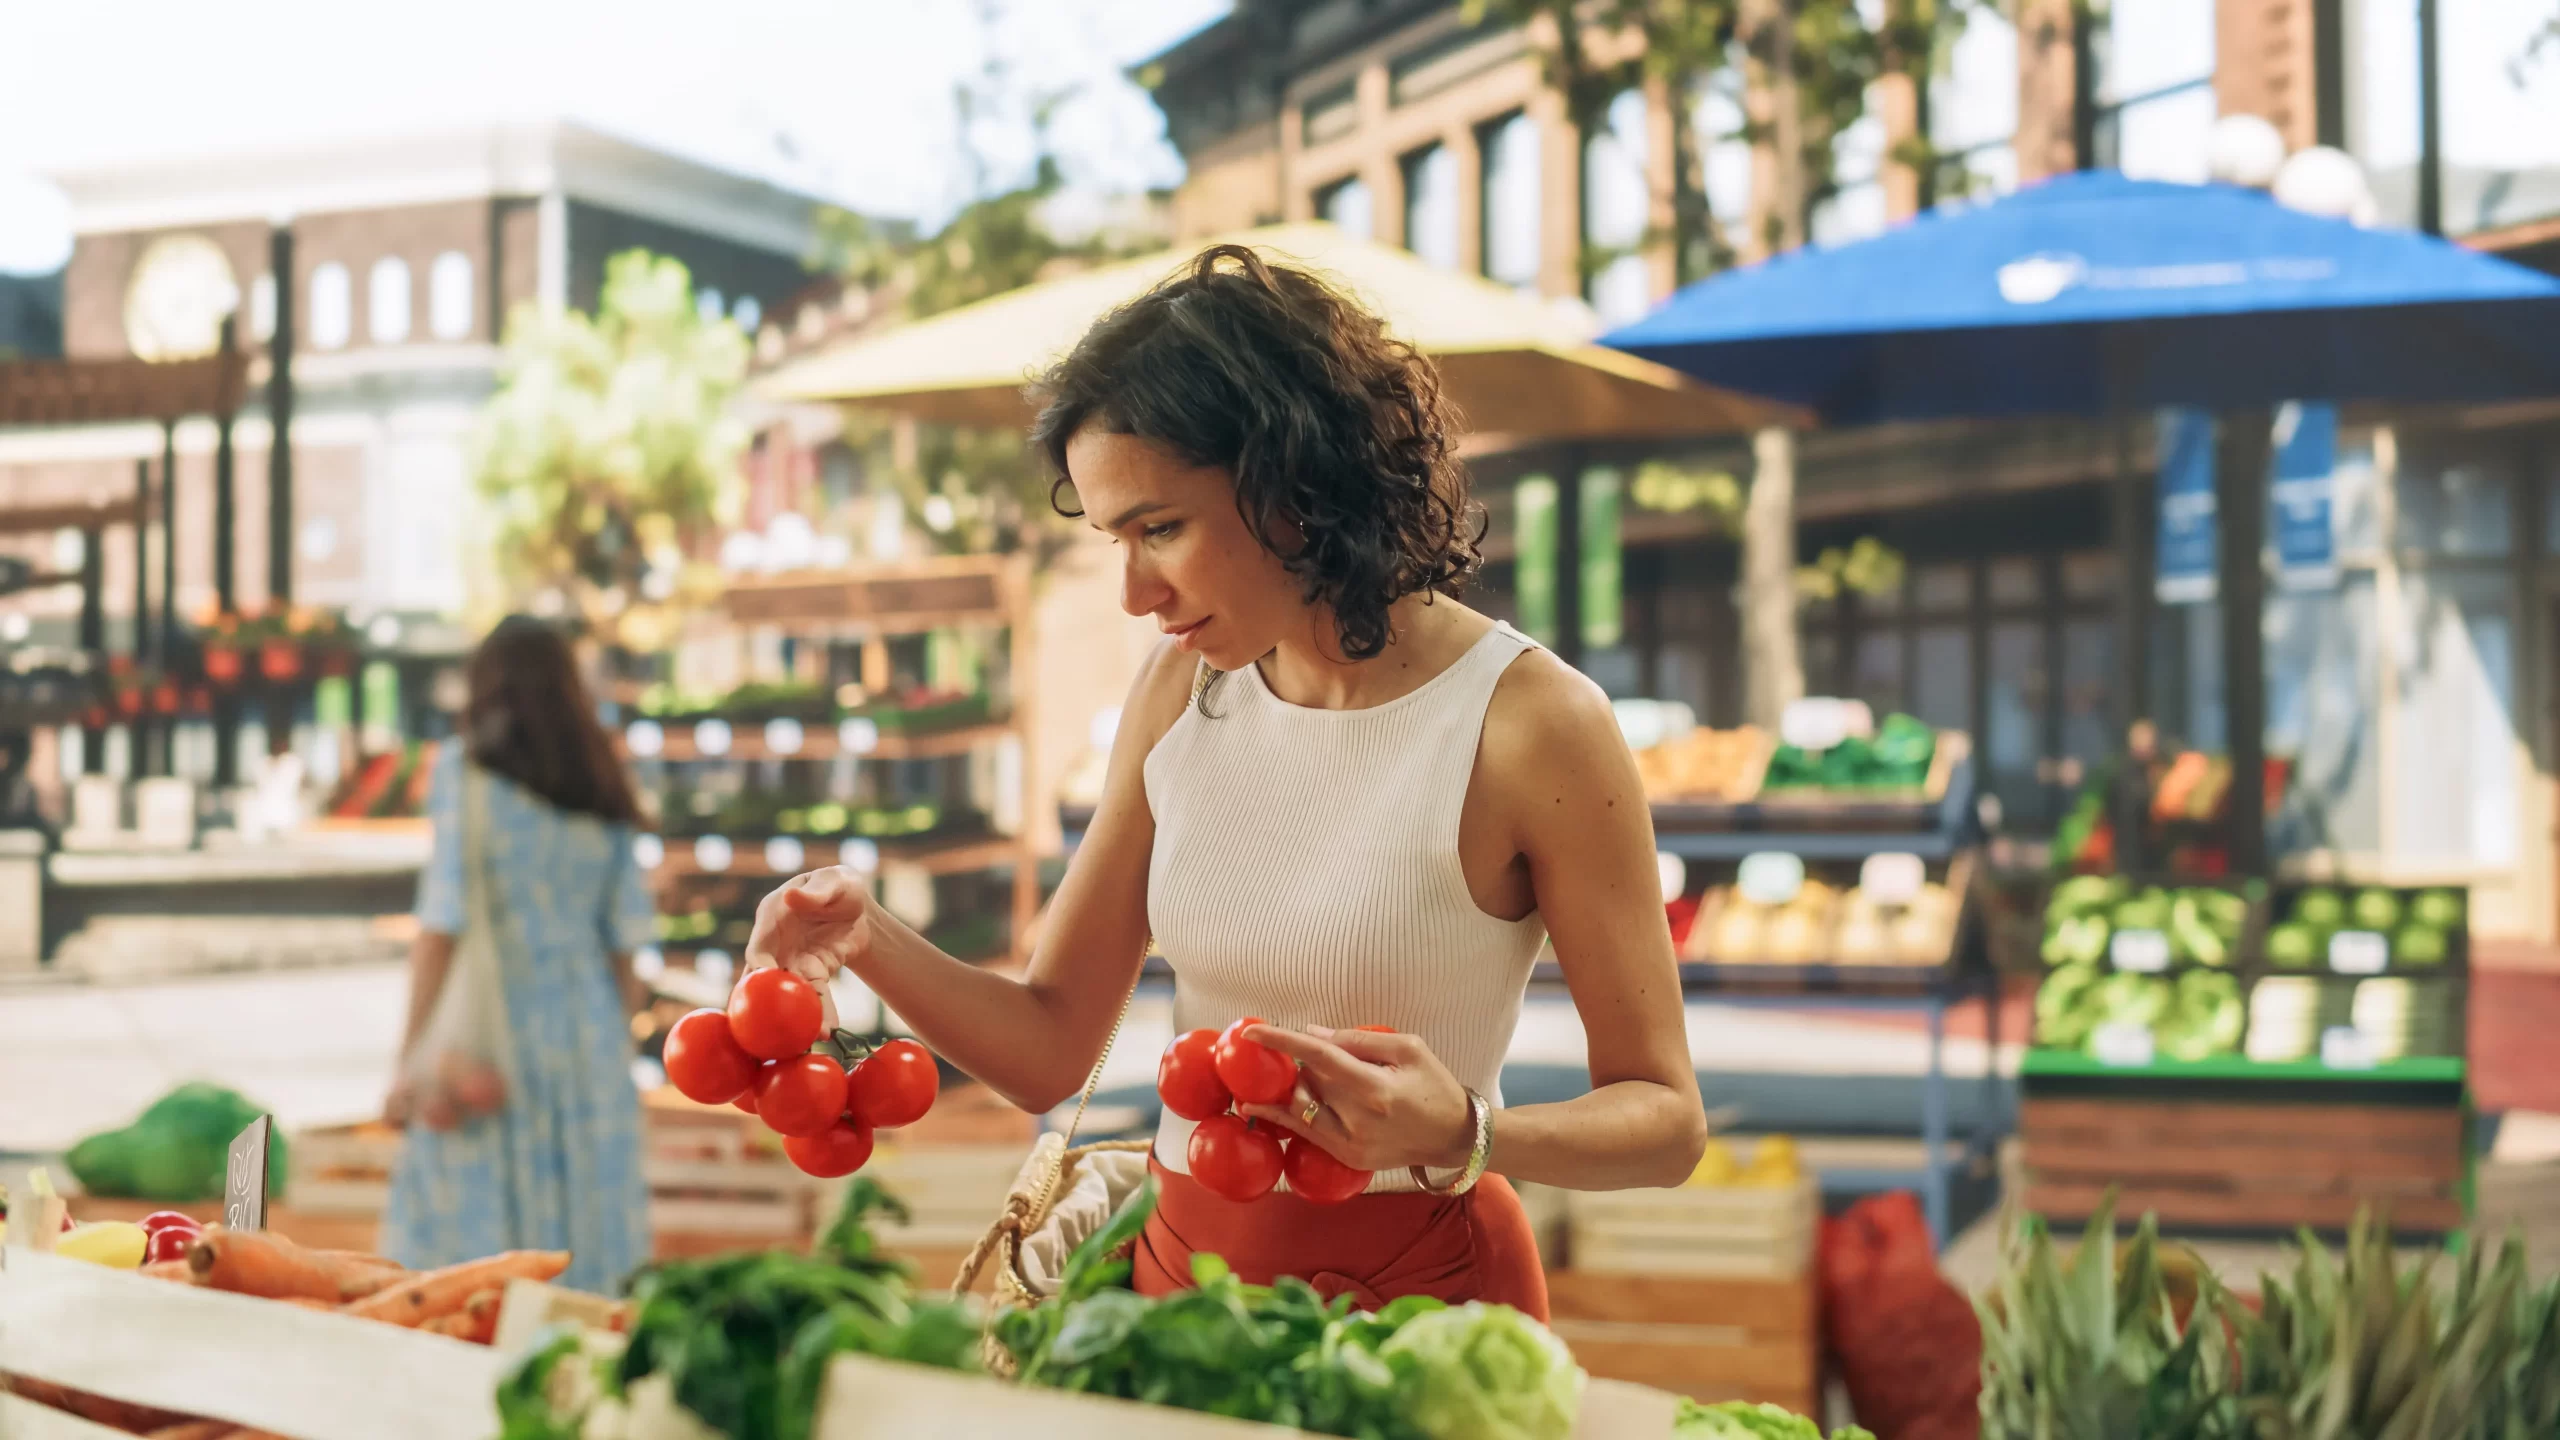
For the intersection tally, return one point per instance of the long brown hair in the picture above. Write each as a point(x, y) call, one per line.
point(529, 719)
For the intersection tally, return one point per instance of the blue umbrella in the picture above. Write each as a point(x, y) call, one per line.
point(2093, 294)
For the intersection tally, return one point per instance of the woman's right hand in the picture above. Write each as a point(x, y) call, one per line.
point(814, 926)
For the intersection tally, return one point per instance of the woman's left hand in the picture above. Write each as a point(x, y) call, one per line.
point(1384, 1100)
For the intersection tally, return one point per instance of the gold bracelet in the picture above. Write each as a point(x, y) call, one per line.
point(1477, 1158)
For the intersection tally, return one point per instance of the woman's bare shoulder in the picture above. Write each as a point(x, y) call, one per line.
point(1549, 734)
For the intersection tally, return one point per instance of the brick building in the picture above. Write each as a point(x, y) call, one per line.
point(2026, 603)
point(408, 254)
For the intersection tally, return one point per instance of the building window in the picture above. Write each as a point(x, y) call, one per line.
point(1513, 205)
point(2155, 89)
point(262, 308)
point(386, 301)
point(748, 312)
point(1431, 206)
point(332, 306)
point(1973, 110)
point(1329, 116)
point(449, 296)
point(708, 303)
point(1347, 204)
point(2498, 68)
point(1615, 202)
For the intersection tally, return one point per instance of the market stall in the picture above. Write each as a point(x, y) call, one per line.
point(1831, 866)
point(2242, 1057)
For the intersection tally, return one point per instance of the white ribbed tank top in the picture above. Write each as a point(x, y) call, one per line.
point(1306, 870)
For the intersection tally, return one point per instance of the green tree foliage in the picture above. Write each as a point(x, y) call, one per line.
point(608, 447)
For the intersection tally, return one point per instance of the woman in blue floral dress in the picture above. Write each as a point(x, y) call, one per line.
point(557, 1165)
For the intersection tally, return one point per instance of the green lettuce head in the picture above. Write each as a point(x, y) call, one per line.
point(1485, 1372)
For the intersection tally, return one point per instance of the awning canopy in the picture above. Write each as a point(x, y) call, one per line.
point(1520, 369)
point(2092, 293)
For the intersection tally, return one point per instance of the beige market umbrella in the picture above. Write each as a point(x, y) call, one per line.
point(1520, 369)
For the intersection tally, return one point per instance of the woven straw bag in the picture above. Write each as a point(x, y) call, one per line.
point(1048, 1173)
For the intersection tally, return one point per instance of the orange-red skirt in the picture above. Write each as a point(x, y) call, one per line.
point(1374, 1248)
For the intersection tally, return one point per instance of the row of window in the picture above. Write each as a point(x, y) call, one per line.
point(451, 303)
point(388, 294)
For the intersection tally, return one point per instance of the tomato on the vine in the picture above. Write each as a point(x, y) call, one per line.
point(1234, 1158)
point(1187, 1077)
point(895, 1086)
point(704, 1060)
point(1315, 1176)
point(774, 1014)
point(800, 1096)
point(159, 1220)
point(168, 1243)
point(747, 1099)
point(832, 1153)
point(1252, 1071)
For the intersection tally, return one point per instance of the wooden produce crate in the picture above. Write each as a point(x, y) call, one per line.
point(718, 1181)
point(320, 1231)
point(342, 1169)
point(953, 1193)
point(1712, 1339)
point(2240, 1164)
point(1736, 1231)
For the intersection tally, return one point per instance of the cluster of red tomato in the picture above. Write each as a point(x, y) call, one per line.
point(1203, 1075)
point(168, 1235)
point(758, 1056)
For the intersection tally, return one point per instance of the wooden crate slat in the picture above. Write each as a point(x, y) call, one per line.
point(2239, 1210)
point(2193, 1122)
point(2242, 1162)
point(1764, 1307)
point(1769, 1374)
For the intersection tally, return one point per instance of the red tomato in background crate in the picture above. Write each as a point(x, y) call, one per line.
point(172, 1243)
point(774, 1014)
point(800, 1096)
point(1252, 1071)
point(1187, 1077)
point(832, 1153)
point(704, 1060)
point(894, 1086)
point(1234, 1158)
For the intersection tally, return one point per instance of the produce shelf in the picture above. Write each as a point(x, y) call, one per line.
point(1821, 827)
point(748, 859)
point(818, 740)
point(2048, 1063)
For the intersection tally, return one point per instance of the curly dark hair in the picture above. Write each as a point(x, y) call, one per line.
point(1325, 422)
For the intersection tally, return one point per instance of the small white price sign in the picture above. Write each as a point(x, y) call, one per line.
point(1814, 724)
point(858, 737)
point(783, 736)
point(2122, 1044)
point(2145, 952)
point(2359, 952)
point(2344, 1047)
point(863, 855)
point(783, 854)
point(711, 737)
point(644, 737)
point(1770, 877)
point(1892, 878)
point(712, 854)
point(647, 851)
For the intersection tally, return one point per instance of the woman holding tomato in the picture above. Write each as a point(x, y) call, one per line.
point(1340, 801)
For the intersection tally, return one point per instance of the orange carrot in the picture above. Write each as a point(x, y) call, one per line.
point(364, 1258)
point(423, 1297)
point(258, 1262)
point(194, 1430)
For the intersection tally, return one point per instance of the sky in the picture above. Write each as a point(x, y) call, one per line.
point(850, 100)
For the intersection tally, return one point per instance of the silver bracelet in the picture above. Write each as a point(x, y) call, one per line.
point(1477, 1158)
